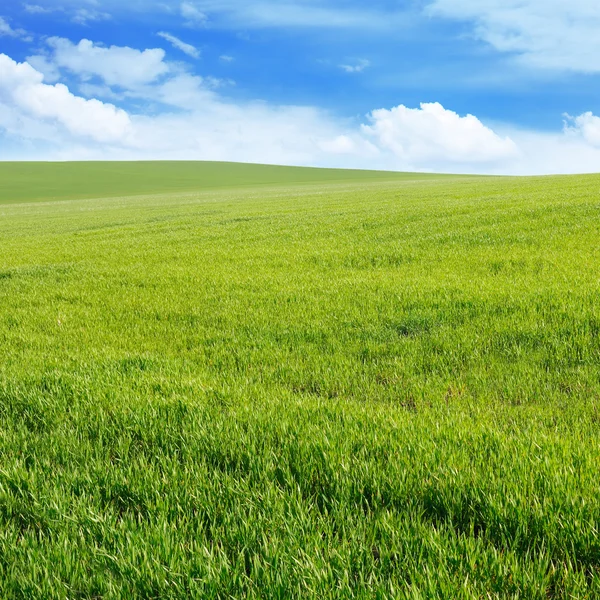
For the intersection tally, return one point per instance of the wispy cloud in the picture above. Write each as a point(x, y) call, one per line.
point(357, 67)
point(85, 16)
point(36, 9)
point(180, 45)
point(8, 31)
point(193, 16)
point(298, 14)
point(256, 14)
point(79, 16)
point(548, 34)
point(119, 66)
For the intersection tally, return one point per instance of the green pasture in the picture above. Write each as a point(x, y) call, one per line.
point(34, 182)
point(224, 381)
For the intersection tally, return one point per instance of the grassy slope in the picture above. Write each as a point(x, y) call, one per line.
point(379, 389)
point(28, 182)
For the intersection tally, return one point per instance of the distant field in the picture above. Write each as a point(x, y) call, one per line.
point(379, 386)
point(34, 182)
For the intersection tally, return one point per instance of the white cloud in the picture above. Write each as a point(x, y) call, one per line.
point(246, 14)
point(550, 153)
point(351, 145)
point(254, 132)
point(36, 9)
point(45, 66)
point(115, 65)
point(226, 58)
point(22, 90)
point(554, 34)
point(586, 127)
point(182, 91)
point(358, 67)
point(7, 31)
point(133, 73)
point(79, 16)
point(299, 14)
point(93, 90)
point(84, 16)
point(433, 135)
point(180, 45)
point(193, 15)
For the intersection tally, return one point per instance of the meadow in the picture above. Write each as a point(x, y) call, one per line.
point(225, 381)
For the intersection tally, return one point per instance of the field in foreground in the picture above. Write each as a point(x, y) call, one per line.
point(371, 389)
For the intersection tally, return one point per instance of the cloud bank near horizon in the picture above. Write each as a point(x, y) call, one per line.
point(109, 111)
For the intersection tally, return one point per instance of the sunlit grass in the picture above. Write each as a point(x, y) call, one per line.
point(335, 390)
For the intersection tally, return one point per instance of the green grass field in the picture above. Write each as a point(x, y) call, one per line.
point(34, 182)
point(224, 381)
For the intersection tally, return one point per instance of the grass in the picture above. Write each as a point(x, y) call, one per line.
point(363, 389)
point(35, 182)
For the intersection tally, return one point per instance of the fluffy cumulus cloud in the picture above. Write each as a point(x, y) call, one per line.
point(197, 121)
point(554, 34)
point(26, 98)
point(432, 134)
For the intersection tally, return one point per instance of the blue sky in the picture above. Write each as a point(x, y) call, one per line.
point(447, 85)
